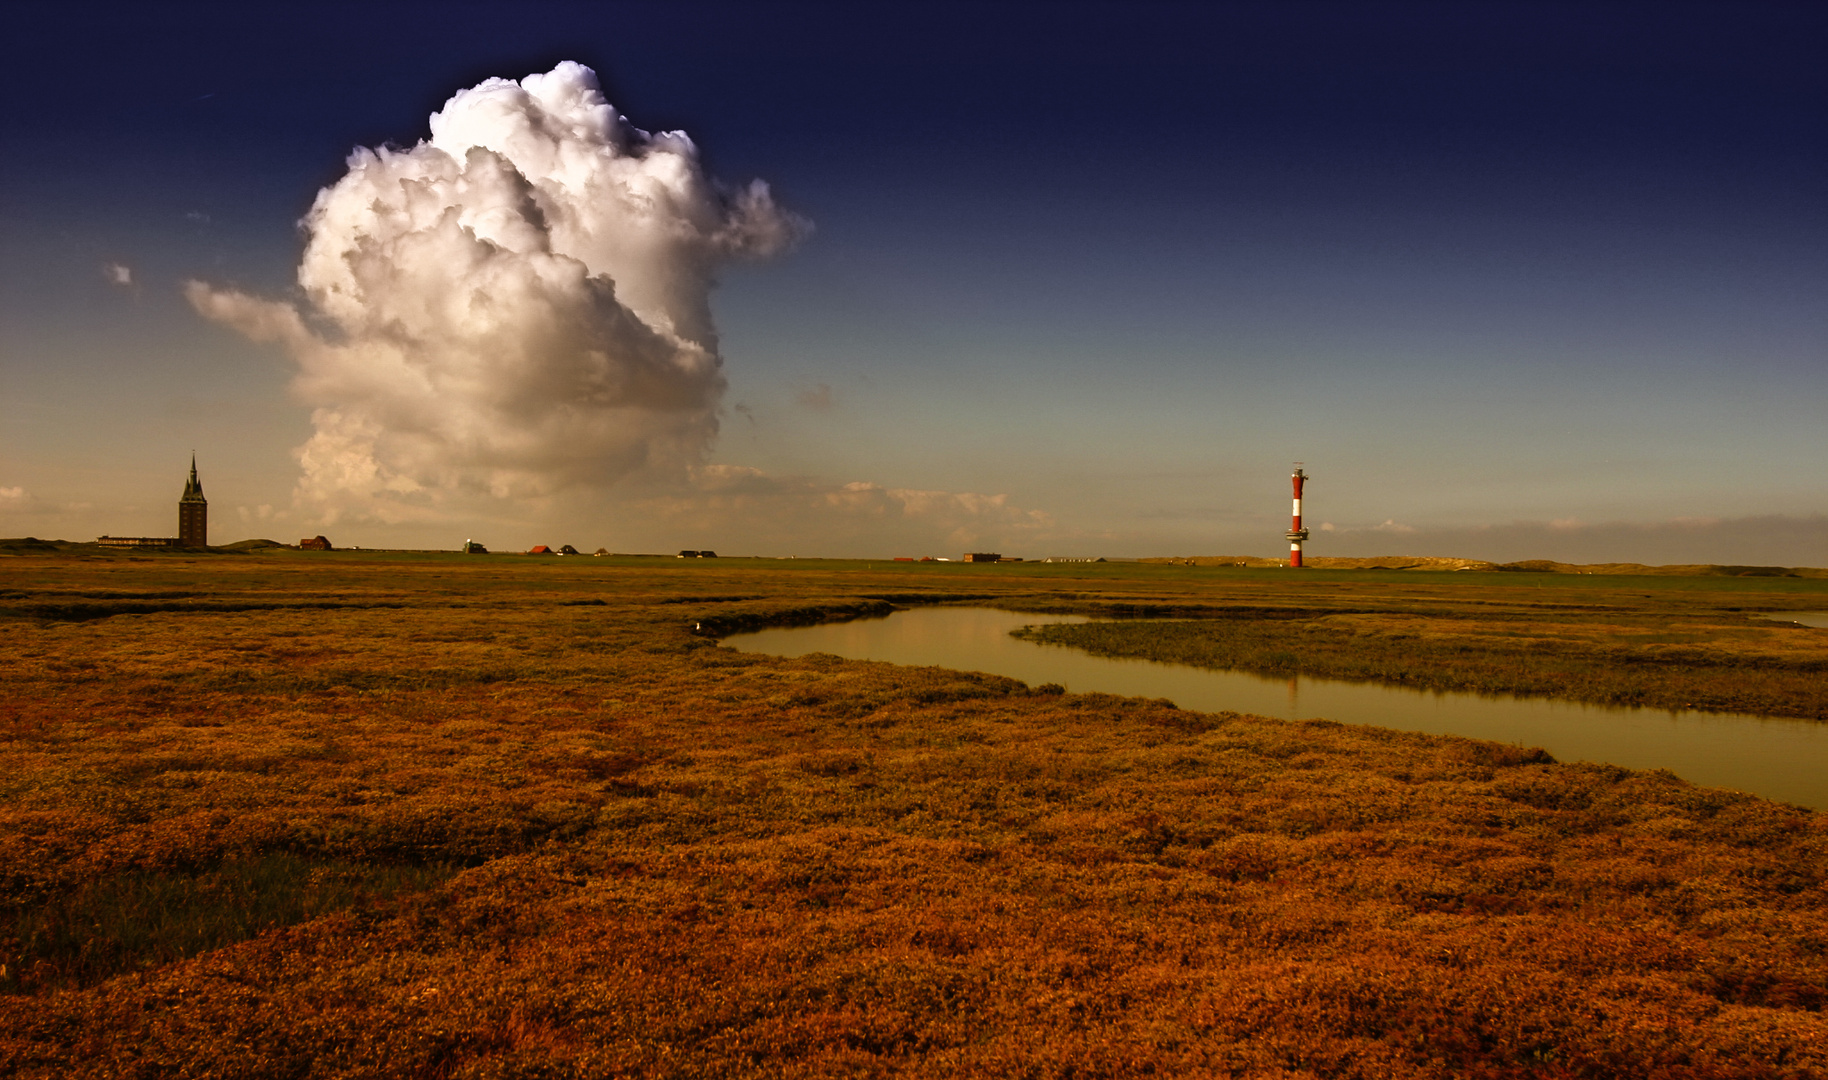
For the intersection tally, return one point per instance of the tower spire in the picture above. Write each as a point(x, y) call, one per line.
point(193, 488)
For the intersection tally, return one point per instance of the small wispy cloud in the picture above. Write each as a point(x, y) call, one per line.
point(818, 398)
point(259, 514)
point(118, 273)
point(1388, 525)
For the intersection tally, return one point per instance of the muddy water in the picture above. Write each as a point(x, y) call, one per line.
point(1805, 618)
point(1776, 758)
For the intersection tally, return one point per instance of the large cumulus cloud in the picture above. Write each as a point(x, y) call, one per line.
point(518, 305)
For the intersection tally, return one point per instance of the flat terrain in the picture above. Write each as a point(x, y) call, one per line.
point(361, 814)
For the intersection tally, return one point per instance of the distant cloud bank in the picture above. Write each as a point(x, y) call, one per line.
point(779, 514)
point(1753, 541)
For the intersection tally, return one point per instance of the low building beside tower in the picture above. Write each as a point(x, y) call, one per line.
point(138, 541)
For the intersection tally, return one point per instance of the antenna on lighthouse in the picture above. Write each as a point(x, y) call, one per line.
point(1296, 534)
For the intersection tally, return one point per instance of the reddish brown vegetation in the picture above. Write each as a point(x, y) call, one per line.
point(647, 855)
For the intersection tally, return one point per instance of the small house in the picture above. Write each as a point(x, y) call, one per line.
point(316, 543)
point(540, 549)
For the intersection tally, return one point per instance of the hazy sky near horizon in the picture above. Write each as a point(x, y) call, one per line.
point(1513, 280)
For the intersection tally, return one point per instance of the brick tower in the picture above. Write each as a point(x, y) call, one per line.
point(193, 512)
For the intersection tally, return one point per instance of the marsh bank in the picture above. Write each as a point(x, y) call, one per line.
point(1775, 757)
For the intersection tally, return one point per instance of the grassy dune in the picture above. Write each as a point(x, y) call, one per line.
point(366, 815)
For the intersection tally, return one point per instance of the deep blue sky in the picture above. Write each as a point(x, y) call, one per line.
point(1512, 279)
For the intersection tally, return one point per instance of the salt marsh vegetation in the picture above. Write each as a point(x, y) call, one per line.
point(385, 815)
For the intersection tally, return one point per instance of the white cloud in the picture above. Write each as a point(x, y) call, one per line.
point(515, 308)
point(118, 273)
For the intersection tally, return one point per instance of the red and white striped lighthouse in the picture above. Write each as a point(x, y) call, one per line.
point(1296, 534)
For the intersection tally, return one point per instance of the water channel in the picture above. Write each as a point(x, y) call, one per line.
point(1802, 618)
point(1774, 757)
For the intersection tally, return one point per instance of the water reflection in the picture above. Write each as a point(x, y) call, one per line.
point(1804, 618)
point(1777, 758)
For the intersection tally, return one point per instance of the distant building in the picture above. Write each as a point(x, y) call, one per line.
point(690, 554)
point(471, 547)
point(540, 549)
point(193, 521)
point(316, 543)
point(567, 549)
point(193, 512)
point(983, 556)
